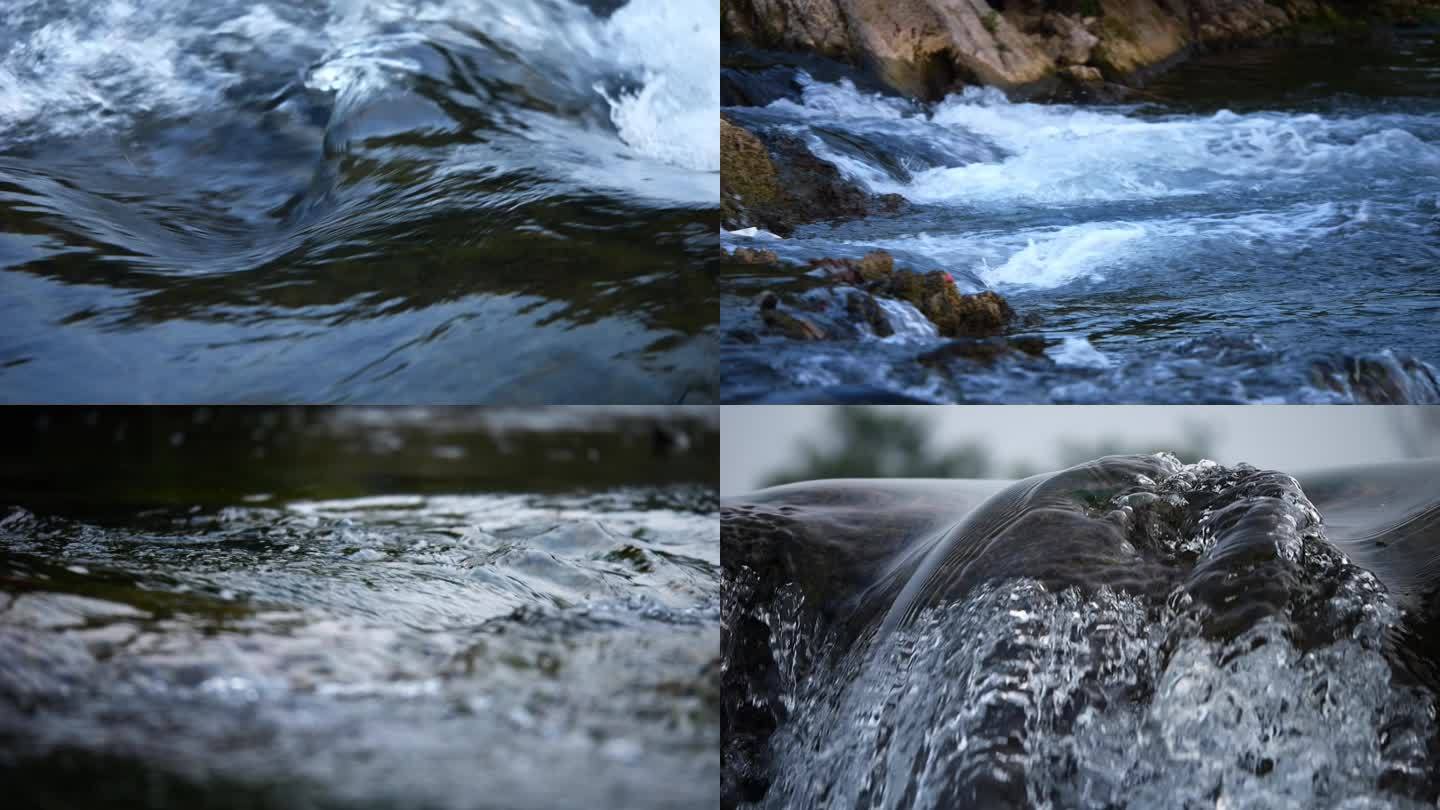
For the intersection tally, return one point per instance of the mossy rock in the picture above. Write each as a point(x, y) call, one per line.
point(954, 314)
point(747, 175)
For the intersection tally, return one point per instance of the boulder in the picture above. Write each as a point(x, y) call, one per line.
point(863, 308)
point(745, 255)
point(748, 179)
point(954, 314)
point(790, 326)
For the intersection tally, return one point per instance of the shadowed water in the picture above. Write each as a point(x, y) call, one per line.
point(357, 200)
point(509, 647)
point(1129, 632)
point(1258, 226)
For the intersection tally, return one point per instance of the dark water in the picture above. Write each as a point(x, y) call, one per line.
point(359, 201)
point(400, 638)
point(1259, 226)
point(1129, 632)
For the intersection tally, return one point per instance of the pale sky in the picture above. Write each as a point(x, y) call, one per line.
point(757, 439)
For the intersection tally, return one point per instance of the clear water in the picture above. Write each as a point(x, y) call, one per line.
point(460, 647)
point(1259, 212)
point(358, 200)
point(1130, 632)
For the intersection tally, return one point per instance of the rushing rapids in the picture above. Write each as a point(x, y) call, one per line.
point(1256, 227)
point(1129, 632)
point(358, 200)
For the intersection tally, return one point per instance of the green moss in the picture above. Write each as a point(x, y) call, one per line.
point(991, 21)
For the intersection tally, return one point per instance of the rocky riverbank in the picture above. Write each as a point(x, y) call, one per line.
point(929, 48)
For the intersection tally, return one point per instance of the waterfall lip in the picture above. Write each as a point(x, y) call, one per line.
point(922, 637)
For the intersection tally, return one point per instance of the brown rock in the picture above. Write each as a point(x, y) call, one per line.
point(978, 350)
point(747, 176)
point(746, 255)
point(863, 308)
point(955, 315)
point(1084, 74)
point(790, 326)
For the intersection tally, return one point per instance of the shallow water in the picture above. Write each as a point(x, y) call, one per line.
point(1132, 631)
point(358, 200)
point(1261, 212)
point(180, 643)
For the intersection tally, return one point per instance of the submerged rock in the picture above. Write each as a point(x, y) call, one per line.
point(1379, 379)
point(982, 350)
point(790, 326)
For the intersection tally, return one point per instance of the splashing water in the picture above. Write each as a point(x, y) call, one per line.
point(1130, 631)
point(1278, 198)
point(202, 201)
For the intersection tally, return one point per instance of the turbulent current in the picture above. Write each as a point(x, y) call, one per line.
point(441, 646)
point(1258, 226)
point(358, 200)
point(1131, 632)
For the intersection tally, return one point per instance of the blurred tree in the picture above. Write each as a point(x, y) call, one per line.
point(880, 443)
point(1418, 430)
point(867, 442)
point(1195, 443)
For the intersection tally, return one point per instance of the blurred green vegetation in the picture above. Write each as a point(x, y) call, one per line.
point(869, 442)
point(125, 457)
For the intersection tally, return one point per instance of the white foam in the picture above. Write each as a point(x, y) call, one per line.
point(1078, 352)
point(676, 46)
point(1081, 251)
point(909, 324)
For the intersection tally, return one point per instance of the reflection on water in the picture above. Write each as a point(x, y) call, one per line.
point(357, 201)
point(455, 647)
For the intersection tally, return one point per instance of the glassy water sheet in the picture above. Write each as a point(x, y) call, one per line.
point(1131, 632)
point(476, 649)
point(469, 201)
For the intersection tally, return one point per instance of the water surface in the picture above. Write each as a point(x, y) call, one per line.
point(1252, 228)
point(358, 200)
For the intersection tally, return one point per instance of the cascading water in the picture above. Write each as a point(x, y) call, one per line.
point(1271, 212)
point(1130, 632)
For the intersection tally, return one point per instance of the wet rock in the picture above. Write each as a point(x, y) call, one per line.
point(876, 266)
point(791, 326)
point(1379, 379)
point(954, 314)
point(978, 350)
point(753, 256)
point(773, 180)
point(863, 308)
point(983, 350)
point(747, 176)
point(767, 300)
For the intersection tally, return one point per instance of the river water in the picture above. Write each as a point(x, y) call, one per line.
point(398, 637)
point(358, 200)
point(1130, 632)
point(1250, 228)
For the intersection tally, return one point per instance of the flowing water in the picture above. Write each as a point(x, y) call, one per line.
point(358, 200)
point(1260, 226)
point(1132, 632)
point(174, 643)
